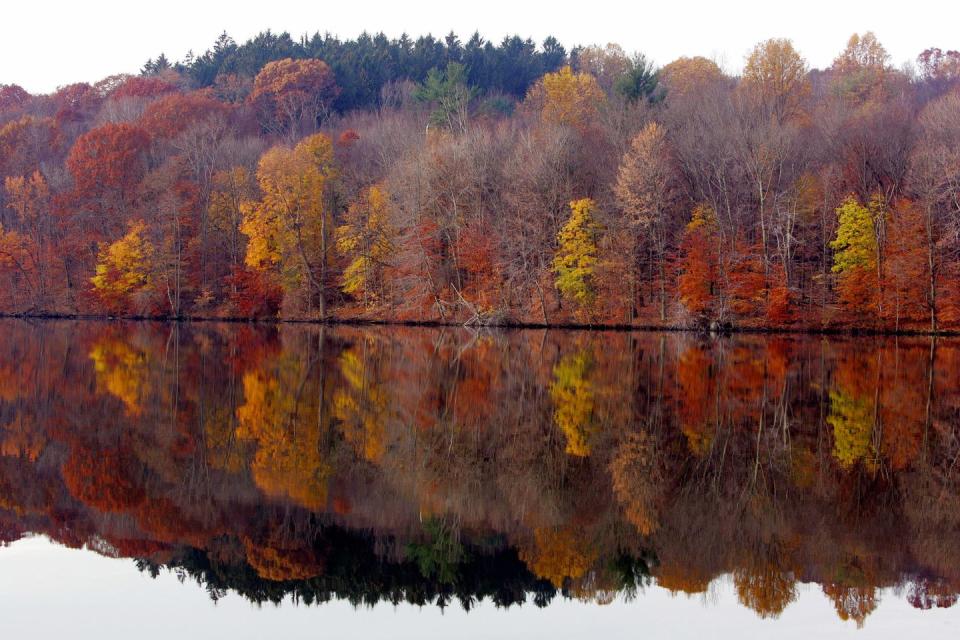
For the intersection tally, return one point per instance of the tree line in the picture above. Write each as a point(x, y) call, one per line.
point(432, 180)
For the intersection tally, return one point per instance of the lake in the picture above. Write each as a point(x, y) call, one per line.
point(256, 480)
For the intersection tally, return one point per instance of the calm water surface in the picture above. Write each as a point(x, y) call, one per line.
point(299, 481)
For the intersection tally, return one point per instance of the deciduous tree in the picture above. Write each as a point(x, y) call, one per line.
point(576, 256)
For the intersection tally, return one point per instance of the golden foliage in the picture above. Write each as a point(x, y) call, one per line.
point(362, 407)
point(567, 98)
point(777, 75)
point(284, 427)
point(287, 227)
point(576, 258)
point(686, 75)
point(366, 239)
point(559, 554)
point(123, 371)
point(124, 267)
point(573, 397)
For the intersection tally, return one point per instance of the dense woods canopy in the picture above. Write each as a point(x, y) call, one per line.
point(435, 465)
point(440, 180)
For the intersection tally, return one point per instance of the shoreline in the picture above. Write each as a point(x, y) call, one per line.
point(565, 326)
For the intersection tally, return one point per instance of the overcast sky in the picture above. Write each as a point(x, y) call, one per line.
point(48, 43)
point(49, 591)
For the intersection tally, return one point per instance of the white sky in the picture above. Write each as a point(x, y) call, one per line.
point(49, 591)
point(48, 43)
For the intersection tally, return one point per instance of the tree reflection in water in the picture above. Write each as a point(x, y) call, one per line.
point(441, 465)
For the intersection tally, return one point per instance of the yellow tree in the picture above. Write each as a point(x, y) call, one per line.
point(855, 257)
point(567, 98)
point(777, 76)
point(576, 259)
point(685, 75)
point(366, 239)
point(288, 228)
point(124, 269)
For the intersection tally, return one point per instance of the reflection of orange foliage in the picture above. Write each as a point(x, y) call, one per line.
point(778, 358)
point(766, 589)
point(696, 377)
point(166, 521)
point(136, 548)
point(282, 564)
point(558, 554)
point(22, 438)
point(683, 577)
point(476, 390)
point(638, 479)
point(746, 380)
point(102, 479)
point(341, 505)
point(903, 406)
point(11, 384)
point(803, 466)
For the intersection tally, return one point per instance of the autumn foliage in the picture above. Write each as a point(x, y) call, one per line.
point(295, 179)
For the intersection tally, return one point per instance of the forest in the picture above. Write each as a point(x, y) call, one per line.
point(444, 466)
point(440, 181)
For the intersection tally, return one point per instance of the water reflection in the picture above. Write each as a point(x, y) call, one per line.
point(439, 466)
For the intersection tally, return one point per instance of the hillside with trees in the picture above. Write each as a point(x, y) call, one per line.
point(435, 180)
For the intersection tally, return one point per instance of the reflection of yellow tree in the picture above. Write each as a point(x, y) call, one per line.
point(851, 417)
point(558, 554)
point(286, 430)
point(122, 371)
point(573, 397)
point(361, 408)
point(766, 589)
